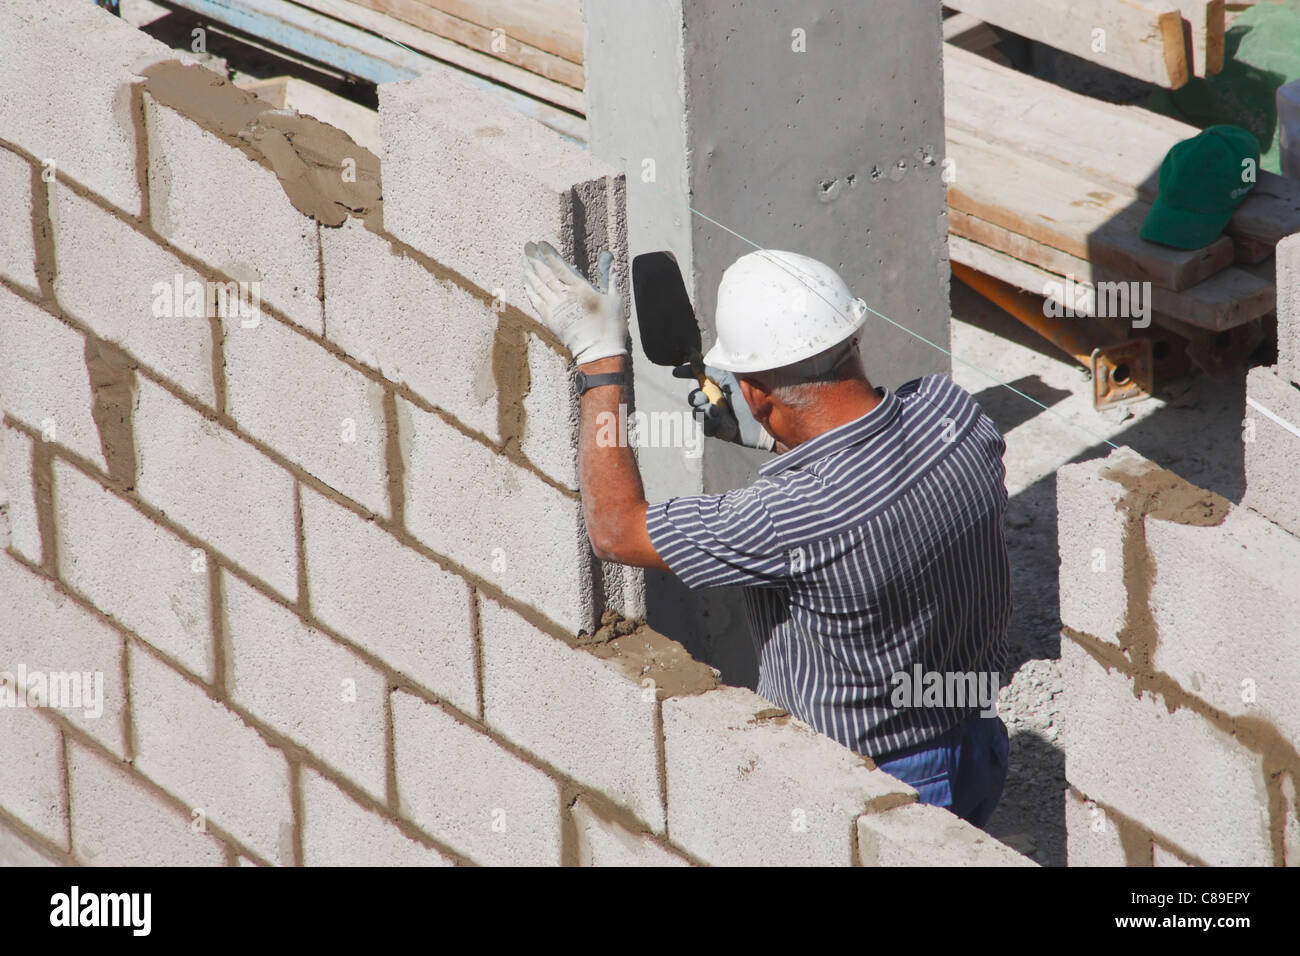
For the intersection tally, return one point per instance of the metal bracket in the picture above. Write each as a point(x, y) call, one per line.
point(1123, 373)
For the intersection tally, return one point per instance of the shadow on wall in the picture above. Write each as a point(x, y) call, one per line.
point(176, 30)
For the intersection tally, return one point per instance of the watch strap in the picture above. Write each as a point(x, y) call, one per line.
point(587, 382)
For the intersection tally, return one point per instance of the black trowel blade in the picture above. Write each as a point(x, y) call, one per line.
point(669, 332)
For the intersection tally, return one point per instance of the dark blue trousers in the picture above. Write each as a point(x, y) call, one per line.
point(963, 771)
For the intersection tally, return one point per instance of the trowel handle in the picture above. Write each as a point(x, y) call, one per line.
point(709, 387)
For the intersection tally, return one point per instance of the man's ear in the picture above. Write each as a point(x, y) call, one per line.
point(757, 397)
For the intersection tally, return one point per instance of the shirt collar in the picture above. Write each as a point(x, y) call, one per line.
point(838, 438)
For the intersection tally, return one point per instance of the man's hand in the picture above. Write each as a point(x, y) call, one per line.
point(587, 319)
point(729, 420)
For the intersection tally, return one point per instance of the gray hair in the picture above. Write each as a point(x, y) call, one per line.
point(800, 385)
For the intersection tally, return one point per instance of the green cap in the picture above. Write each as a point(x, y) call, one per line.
point(1202, 181)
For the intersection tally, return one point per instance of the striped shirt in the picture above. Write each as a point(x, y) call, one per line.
point(872, 550)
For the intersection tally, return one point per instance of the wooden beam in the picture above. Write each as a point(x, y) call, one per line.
point(430, 44)
point(1141, 38)
point(551, 25)
point(1069, 213)
point(1227, 299)
point(1065, 130)
point(965, 31)
point(1204, 24)
point(500, 43)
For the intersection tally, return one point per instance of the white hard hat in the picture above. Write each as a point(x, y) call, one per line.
point(777, 308)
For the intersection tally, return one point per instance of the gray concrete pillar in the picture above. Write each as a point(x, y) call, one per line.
point(814, 127)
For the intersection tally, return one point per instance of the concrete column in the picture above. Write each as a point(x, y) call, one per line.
point(815, 128)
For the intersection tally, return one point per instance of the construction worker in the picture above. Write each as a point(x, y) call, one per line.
point(870, 550)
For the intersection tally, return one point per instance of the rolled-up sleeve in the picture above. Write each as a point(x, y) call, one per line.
point(716, 540)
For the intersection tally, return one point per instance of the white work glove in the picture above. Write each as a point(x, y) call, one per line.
point(586, 318)
point(731, 420)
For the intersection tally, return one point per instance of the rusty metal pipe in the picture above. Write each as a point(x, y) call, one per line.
point(1027, 309)
point(1121, 373)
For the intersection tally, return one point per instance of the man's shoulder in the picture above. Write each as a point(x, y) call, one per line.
point(932, 397)
point(937, 398)
point(933, 386)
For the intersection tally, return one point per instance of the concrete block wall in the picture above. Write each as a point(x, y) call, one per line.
point(1288, 308)
point(1179, 650)
point(325, 558)
point(1181, 668)
point(1271, 442)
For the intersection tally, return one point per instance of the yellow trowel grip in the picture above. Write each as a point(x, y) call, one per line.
point(710, 388)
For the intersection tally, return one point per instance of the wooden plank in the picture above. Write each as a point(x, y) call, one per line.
point(551, 25)
point(1141, 38)
point(1069, 213)
point(1251, 251)
point(1228, 298)
point(461, 56)
point(1118, 146)
point(1013, 244)
point(1203, 21)
point(965, 31)
point(500, 44)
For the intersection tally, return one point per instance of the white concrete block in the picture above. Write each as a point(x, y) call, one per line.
point(17, 245)
point(498, 520)
point(1162, 857)
point(305, 685)
point(1287, 255)
point(748, 790)
point(1225, 603)
point(46, 632)
point(119, 303)
point(461, 787)
point(201, 752)
point(337, 831)
point(1174, 774)
point(80, 115)
point(390, 600)
point(1090, 539)
point(1291, 825)
point(217, 204)
point(604, 842)
point(1094, 839)
point(31, 786)
point(24, 529)
point(583, 715)
point(118, 821)
point(551, 414)
point(1271, 442)
point(203, 476)
point(43, 377)
point(468, 180)
point(918, 835)
point(309, 406)
point(146, 578)
point(15, 850)
point(387, 310)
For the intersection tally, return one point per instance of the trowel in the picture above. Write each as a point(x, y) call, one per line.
point(670, 335)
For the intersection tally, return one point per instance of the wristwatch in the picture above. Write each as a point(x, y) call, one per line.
point(586, 382)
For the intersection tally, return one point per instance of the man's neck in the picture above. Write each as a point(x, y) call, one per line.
point(840, 403)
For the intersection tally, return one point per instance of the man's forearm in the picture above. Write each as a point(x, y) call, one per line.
point(613, 498)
